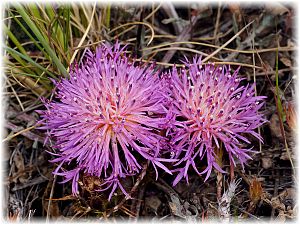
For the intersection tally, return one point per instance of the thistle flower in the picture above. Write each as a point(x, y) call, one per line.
point(107, 113)
point(208, 108)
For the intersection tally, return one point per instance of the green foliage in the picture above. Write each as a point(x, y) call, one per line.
point(42, 38)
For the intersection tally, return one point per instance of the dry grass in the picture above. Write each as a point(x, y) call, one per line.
point(43, 40)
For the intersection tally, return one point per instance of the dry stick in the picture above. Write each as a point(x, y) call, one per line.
point(217, 23)
point(171, 12)
point(128, 212)
point(83, 37)
point(183, 36)
point(15, 94)
point(133, 189)
point(275, 192)
point(13, 76)
point(168, 7)
point(147, 17)
point(231, 172)
point(88, 45)
point(279, 71)
point(219, 185)
point(228, 42)
point(19, 115)
point(27, 133)
point(254, 78)
point(32, 182)
point(138, 206)
point(19, 78)
point(24, 132)
point(50, 199)
point(216, 63)
point(283, 49)
point(136, 23)
point(180, 49)
point(164, 34)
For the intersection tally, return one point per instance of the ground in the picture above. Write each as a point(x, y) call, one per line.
point(265, 50)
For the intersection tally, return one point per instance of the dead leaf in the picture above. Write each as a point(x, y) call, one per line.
point(90, 183)
point(275, 126)
point(288, 193)
point(19, 161)
point(277, 204)
point(286, 61)
point(236, 9)
point(276, 8)
point(153, 202)
point(267, 162)
point(291, 116)
point(54, 210)
point(255, 191)
point(14, 217)
point(281, 217)
point(65, 198)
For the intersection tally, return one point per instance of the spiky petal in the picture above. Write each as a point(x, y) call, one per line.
point(209, 107)
point(106, 117)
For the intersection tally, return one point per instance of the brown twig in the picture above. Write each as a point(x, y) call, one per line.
point(133, 189)
point(20, 130)
point(228, 42)
point(50, 199)
point(184, 36)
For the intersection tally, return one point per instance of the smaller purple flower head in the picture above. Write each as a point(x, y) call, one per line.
point(106, 119)
point(208, 109)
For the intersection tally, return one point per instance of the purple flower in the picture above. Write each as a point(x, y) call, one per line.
point(208, 109)
point(107, 118)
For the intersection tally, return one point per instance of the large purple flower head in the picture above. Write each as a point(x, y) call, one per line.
point(209, 109)
point(108, 112)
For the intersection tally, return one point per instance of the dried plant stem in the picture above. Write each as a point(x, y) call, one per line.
point(219, 185)
point(182, 37)
point(179, 49)
point(254, 79)
point(88, 45)
point(140, 178)
point(18, 133)
point(27, 81)
point(217, 23)
point(26, 133)
point(136, 23)
point(83, 37)
point(146, 18)
point(169, 36)
point(281, 49)
point(231, 172)
point(228, 42)
point(50, 199)
point(279, 112)
point(216, 63)
point(15, 94)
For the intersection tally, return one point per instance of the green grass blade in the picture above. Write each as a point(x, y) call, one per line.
point(40, 37)
point(57, 30)
point(67, 16)
point(28, 34)
point(35, 11)
point(107, 19)
point(27, 58)
point(14, 39)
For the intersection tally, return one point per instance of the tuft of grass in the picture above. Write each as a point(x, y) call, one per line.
point(45, 43)
point(50, 31)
